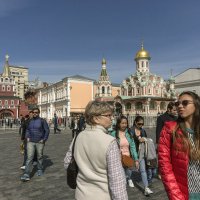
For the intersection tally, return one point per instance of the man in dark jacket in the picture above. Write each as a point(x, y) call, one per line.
point(169, 115)
point(81, 123)
point(37, 134)
point(55, 122)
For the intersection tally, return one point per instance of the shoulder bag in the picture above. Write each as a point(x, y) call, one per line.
point(72, 170)
point(127, 161)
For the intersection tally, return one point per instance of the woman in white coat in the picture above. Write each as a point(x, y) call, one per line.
point(97, 155)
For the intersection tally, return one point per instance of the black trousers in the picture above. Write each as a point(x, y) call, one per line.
point(75, 132)
point(56, 129)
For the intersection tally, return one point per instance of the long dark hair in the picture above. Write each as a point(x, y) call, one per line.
point(137, 119)
point(117, 128)
point(194, 153)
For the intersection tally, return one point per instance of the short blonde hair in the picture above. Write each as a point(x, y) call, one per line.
point(96, 108)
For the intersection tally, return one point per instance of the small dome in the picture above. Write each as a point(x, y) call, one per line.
point(142, 54)
point(104, 61)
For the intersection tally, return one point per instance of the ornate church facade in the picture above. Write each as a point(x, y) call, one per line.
point(144, 93)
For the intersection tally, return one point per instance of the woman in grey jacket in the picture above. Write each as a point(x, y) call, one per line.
point(98, 158)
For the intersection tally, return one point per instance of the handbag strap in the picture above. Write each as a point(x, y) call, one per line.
point(73, 146)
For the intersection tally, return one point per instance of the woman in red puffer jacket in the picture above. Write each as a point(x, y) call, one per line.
point(179, 150)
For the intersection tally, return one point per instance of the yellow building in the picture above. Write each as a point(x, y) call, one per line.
point(67, 97)
point(20, 76)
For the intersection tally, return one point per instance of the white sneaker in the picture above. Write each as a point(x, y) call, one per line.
point(22, 167)
point(130, 183)
point(147, 191)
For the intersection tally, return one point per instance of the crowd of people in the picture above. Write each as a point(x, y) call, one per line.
point(99, 155)
point(176, 160)
point(9, 122)
point(107, 160)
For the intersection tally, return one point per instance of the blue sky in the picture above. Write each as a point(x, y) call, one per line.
point(58, 38)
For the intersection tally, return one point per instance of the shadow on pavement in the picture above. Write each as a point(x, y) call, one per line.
point(47, 162)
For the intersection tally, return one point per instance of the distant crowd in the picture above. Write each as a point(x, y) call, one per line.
point(9, 122)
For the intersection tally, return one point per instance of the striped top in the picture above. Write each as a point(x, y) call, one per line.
point(193, 172)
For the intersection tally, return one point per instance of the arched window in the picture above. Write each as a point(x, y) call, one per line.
point(138, 106)
point(138, 90)
point(128, 106)
point(103, 90)
point(142, 64)
point(162, 105)
point(8, 88)
point(152, 105)
point(129, 90)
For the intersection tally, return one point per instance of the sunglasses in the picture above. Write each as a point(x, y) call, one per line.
point(108, 116)
point(140, 124)
point(35, 112)
point(184, 103)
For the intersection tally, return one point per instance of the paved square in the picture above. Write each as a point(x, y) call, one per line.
point(51, 186)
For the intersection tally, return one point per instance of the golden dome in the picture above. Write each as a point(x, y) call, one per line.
point(142, 53)
point(104, 61)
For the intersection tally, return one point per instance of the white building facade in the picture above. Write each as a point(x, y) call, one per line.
point(66, 98)
point(189, 80)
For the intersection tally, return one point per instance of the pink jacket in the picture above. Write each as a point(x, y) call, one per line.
point(173, 164)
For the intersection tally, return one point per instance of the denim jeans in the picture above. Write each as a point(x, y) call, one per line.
point(128, 173)
point(143, 172)
point(151, 172)
point(31, 147)
point(25, 152)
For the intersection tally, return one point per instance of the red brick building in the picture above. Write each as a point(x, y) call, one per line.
point(11, 106)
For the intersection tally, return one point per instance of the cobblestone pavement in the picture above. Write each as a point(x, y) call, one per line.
point(51, 186)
